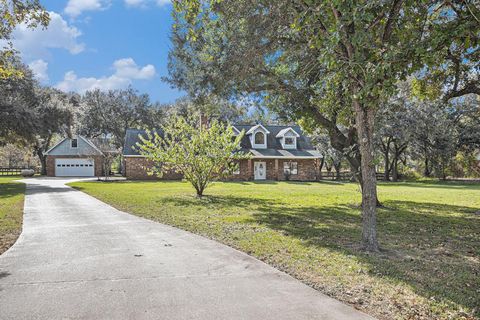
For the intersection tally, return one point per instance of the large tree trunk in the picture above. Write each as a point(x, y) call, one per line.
point(43, 162)
point(395, 170)
point(341, 142)
point(427, 172)
point(338, 167)
point(365, 122)
point(386, 156)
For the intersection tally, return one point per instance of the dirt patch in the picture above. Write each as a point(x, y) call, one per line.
point(8, 239)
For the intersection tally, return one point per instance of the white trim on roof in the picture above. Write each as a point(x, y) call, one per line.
point(235, 131)
point(289, 157)
point(252, 129)
point(284, 154)
point(87, 141)
point(55, 146)
point(90, 143)
point(282, 132)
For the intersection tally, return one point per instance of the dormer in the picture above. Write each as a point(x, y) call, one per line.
point(236, 132)
point(288, 138)
point(258, 136)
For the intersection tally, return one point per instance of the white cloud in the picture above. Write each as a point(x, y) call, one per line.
point(39, 69)
point(126, 70)
point(135, 3)
point(163, 2)
point(34, 43)
point(75, 8)
point(144, 3)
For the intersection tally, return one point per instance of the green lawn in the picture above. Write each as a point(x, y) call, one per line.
point(11, 211)
point(430, 234)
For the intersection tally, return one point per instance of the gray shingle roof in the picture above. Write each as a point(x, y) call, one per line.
point(131, 139)
point(303, 143)
point(275, 149)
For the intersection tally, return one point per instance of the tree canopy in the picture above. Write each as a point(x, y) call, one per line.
point(322, 60)
point(12, 14)
point(199, 152)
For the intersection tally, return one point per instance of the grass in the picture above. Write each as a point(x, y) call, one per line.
point(429, 231)
point(11, 211)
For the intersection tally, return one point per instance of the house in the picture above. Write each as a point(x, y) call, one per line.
point(74, 157)
point(135, 166)
point(277, 153)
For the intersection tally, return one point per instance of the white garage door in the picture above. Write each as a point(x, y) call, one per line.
point(74, 168)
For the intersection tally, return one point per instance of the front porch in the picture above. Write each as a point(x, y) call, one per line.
point(277, 169)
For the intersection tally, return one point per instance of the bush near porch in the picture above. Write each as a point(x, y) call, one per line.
point(430, 233)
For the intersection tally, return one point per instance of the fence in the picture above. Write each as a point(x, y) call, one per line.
point(5, 171)
point(344, 175)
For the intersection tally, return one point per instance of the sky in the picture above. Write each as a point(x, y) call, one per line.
point(105, 44)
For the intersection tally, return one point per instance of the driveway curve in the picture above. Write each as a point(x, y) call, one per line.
point(79, 258)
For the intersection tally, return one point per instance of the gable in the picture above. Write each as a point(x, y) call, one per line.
point(64, 148)
point(303, 142)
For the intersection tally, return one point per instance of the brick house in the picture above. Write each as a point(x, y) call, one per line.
point(277, 153)
point(135, 166)
point(74, 157)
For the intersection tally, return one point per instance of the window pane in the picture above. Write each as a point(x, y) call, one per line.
point(286, 168)
point(289, 141)
point(259, 138)
point(74, 143)
point(294, 168)
point(290, 168)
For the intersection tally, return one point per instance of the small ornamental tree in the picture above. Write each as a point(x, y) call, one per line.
point(201, 154)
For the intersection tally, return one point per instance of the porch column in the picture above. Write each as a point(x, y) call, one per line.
point(249, 169)
point(276, 169)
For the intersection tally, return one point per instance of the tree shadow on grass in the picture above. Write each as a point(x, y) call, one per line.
point(427, 245)
point(430, 247)
point(11, 189)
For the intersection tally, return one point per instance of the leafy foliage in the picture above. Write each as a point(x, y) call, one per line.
point(111, 113)
point(12, 14)
point(320, 59)
point(200, 153)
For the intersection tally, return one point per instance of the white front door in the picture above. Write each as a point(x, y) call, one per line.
point(260, 170)
point(65, 167)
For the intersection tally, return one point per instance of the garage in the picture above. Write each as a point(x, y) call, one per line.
point(74, 167)
point(74, 157)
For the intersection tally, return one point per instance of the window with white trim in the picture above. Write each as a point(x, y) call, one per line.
point(289, 142)
point(290, 168)
point(74, 143)
point(259, 138)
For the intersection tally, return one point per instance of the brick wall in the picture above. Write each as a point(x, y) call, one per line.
point(306, 170)
point(98, 160)
point(136, 168)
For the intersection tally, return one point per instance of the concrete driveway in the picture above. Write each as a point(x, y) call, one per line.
point(79, 258)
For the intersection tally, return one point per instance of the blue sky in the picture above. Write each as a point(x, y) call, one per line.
point(102, 44)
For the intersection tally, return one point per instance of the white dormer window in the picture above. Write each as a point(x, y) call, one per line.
point(258, 136)
point(288, 138)
point(290, 143)
point(74, 143)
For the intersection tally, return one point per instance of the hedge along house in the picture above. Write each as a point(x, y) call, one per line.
point(74, 157)
point(277, 153)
